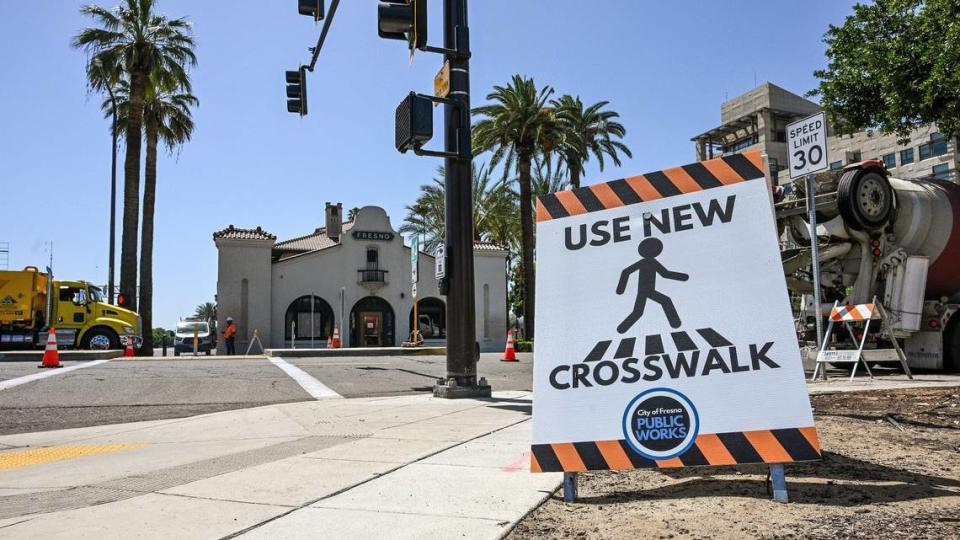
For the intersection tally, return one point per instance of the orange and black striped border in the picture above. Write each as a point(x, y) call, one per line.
point(698, 176)
point(766, 446)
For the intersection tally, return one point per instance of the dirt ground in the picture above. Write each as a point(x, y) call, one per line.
point(891, 469)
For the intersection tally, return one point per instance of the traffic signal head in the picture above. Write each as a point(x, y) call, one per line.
point(414, 122)
point(297, 91)
point(311, 8)
point(122, 300)
point(404, 20)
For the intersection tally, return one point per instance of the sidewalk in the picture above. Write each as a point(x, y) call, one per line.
point(399, 467)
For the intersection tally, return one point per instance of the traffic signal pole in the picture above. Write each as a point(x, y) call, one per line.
point(461, 379)
point(406, 20)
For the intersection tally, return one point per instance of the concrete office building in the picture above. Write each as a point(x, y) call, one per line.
point(355, 274)
point(927, 154)
point(758, 119)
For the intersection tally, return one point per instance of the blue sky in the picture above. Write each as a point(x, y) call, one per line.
point(665, 66)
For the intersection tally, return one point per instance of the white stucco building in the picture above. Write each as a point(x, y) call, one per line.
point(356, 275)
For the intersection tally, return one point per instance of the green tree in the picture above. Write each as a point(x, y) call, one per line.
point(167, 119)
point(894, 65)
point(494, 210)
point(547, 178)
point(132, 41)
point(352, 214)
point(158, 334)
point(591, 131)
point(516, 127)
point(206, 311)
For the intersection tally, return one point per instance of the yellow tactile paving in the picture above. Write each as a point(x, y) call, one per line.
point(37, 456)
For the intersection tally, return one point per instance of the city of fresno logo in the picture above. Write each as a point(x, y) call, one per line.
point(660, 423)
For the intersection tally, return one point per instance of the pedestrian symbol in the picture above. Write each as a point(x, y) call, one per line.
point(647, 269)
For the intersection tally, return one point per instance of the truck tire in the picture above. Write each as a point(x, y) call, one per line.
point(951, 346)
point(865, 199)
point(100, 339)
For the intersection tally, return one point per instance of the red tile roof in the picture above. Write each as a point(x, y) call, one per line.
point(484, 245)
point(235, 233)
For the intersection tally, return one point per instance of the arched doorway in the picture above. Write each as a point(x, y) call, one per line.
point(311, 318)
point(372, 323)
point(433, 318)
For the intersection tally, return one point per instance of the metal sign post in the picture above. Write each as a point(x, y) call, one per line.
point(814, 254)
point(807, 148)
point(414, 278)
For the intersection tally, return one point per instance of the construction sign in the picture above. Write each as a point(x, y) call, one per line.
point(664, 331)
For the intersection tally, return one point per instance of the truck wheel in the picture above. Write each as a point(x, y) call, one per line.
point(865, 199)
point(100, 339)
point(951, 347)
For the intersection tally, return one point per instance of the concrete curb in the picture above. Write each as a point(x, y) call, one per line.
point(189, 358)
point(65, 356)
point(358, 351)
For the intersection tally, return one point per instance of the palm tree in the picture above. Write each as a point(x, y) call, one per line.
point(517, 127)
point(588, 131)
point(494, 210)
point(206, 311)
point(132, 41)
point(167, 119)
point(548, 179)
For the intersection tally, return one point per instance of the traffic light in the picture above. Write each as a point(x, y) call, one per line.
point(122, 300)
point(297, 91)
point(404, 20)
point(414, 125)
point(311, 8)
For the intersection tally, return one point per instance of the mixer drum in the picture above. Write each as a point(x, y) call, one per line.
point(865, 199)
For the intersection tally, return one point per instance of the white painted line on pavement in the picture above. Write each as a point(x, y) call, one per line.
point(48, 372)
point(313, 387)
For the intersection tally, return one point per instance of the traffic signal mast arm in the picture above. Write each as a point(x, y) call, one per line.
point(323, 33)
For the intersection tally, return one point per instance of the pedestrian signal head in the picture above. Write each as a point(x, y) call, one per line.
point(414, 122)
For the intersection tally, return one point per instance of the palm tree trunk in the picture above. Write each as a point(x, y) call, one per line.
point(131, 191)
point(146, 243)
point(574, 175)
point(526, 238)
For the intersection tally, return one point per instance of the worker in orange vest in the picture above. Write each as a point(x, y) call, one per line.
point(230, 336)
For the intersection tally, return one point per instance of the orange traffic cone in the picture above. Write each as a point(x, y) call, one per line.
point(129, 350)
point(336, 337)
point(51, 358)
point(509, 354)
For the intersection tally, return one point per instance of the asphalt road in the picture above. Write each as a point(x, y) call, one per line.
point(133, 390)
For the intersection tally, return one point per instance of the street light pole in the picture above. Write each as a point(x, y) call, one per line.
point(461, 379)
point(113, 189)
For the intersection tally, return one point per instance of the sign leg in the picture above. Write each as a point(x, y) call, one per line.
point(778, 483)
point(570, 487)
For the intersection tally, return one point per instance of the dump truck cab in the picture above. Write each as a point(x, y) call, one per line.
point(30, 303)
point(85, 320)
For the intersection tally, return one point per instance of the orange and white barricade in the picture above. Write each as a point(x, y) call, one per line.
point(848, 316)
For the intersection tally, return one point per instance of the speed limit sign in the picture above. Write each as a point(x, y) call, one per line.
point(807, 144)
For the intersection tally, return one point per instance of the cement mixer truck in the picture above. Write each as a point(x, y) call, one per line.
point(880, 237)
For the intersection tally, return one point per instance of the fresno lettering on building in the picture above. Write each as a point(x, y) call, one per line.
point(664, 331)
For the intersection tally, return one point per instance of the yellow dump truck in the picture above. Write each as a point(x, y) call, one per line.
point(32, 301)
